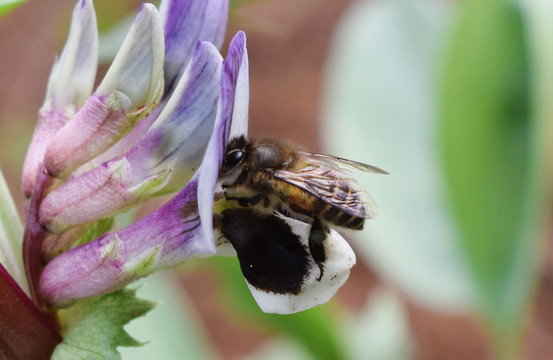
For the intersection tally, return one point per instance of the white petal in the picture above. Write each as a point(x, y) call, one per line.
point(73, 75)
point(340, 259)
point(238, 50)
point(137, 70)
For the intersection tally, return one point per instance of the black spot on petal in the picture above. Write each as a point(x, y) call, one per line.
point(271, 256)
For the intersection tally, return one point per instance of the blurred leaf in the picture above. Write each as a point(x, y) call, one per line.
point(110, 13)
point(11, 236)
point(315, 329)
point(487, 133)
point(379, 108)
point(381, 331)
point(8, 5)
point(96, 326)
point(172, 330)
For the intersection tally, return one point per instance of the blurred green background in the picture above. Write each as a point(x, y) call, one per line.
point(454, 99)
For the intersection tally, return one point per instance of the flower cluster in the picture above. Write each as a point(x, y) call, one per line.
point(159, 121)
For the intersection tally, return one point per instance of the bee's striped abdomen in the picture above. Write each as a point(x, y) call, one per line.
point(343, 207)
point(337, 217)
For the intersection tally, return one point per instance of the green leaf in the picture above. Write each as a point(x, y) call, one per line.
point(95, 326)
point(11, 236)
point(173, 329)
point(8, 5)
point(315, 328)
point(495, 188)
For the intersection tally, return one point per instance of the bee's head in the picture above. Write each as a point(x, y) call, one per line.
point(260, 154)
point(234, 155)
point(270, 153)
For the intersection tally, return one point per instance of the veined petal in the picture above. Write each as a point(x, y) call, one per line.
point(94, 128)
point(130, 140)
point(129, 91)
point(186, 22)
point(165, 238)
point(137, 70)
point(161, 240)
point(103, 258)
point(232, 120)
point(100, 193)
point(73, 75)
point(181, 132)
point(179, 136)
point(49, 123)
point(70, 83)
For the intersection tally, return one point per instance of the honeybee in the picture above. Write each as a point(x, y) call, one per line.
point(278, 176)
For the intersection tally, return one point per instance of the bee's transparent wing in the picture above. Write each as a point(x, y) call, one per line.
point(333, 187)
point(344, 166)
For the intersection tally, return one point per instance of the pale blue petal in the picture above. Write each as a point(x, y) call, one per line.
point(181, 132)
point(186, 22)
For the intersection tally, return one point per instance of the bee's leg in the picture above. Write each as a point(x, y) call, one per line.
point(317, 237)
point(256, 199)
point(245, 201)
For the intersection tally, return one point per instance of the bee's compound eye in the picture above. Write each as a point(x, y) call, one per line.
point(232, 158)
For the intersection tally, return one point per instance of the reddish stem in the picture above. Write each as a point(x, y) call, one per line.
point(34, 236)
point(25, 333)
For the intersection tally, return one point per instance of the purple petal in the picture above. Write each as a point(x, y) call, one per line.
point(70, 83)
point(165, 238)
point(129, 91)
point(98, 124)
point(49, 123)
point(179, 136)
point(100, 193)
point(181, 132)
point(161, 240)
point(232, 121)
point(130, 140)
point(186, 22)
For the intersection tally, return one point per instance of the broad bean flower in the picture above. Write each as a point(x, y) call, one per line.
point(159, 121)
